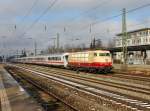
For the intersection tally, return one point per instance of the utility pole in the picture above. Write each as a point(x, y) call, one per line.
point(57, 42)
point(17, 53)
point(90, 31)
point(124, 38)
point(35, 48)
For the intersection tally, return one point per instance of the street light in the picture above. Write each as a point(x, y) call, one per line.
point(54, 40)
point(54, 43)
point(35, 45)
point(4, 48)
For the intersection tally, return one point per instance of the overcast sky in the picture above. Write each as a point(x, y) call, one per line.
point(75, 16)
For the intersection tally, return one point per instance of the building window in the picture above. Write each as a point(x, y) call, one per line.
point(143, 33)
point(138, 41)
point(118, 43)
point(129, 35)
point(139, 33)
point(143, 40)
point(146, 33)
point(146, 40)
point(134, 34)
point(133, 41)
point(128, 42)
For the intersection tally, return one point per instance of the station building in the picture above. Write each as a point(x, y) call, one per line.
point(138, 46)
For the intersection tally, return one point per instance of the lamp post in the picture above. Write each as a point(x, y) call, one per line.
point(35, 46)
point(4, 48)
point(54, 43)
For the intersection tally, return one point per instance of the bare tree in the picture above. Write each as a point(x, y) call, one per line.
point(98, 43)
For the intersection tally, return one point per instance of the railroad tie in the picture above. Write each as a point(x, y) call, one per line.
point(134, 109)
point(148, 107)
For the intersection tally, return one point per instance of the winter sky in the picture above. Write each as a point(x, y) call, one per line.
point(22, 21)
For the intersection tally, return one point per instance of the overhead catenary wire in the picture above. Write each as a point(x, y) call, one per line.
point(87, 11)
point(109, 18)
point(26, 15)
point(130, 25)
point(29, 11)
point(90, 10)
point(41, 15)
point(113, 17)
point(106, 19)
point(114, 30)
point(129, 11)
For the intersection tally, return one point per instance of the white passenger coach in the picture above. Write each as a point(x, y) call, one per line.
point(53, 60)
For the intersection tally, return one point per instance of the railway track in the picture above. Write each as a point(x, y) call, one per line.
point(133, 102)
point(44, 83)
point(47, 101)
point(120, 88)
point(40, 86)
point(99, 79)
point(135, 77)
point(117, 76)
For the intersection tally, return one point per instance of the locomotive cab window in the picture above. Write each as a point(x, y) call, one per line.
point(95, 54)
point(104, 54)
point(107, 54)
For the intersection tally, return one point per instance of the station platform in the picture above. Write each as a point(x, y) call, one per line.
point(13, 97)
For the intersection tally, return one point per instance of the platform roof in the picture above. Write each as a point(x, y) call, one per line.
point(131, 48)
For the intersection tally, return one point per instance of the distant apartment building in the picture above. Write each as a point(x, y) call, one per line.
point(138, 45)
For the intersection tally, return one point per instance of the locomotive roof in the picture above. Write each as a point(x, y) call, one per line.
point(92, 51)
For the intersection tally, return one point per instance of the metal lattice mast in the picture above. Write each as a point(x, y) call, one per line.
point(124, 36)
point(57, 42)
point(35, 48)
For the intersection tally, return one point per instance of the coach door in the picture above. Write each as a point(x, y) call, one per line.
point(65, 60)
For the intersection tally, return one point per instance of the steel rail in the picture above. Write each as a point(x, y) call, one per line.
point(132, 102)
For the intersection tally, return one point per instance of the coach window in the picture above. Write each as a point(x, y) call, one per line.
point(52, 58)
point(60, 58)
